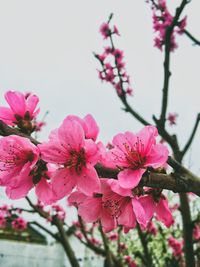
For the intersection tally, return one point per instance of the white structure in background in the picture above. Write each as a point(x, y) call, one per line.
point(22, 254)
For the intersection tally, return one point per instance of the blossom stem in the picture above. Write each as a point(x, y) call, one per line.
point(188, 144)
point(188, 34)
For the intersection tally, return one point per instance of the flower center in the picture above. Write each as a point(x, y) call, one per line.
point(76, 160)
point(114, 204)
point(135, 156)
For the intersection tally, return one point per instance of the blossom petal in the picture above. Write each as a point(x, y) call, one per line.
point(163, 212)
point(31, 103)
point(44, 192)
point(114, 184)
point(148, 205)
point(120, 139)
point(127, 217)
point(20, 186)
point(71, 135)
point(148, 138)
point(92, 129)
point(129, 179)
point(7, 115)
point(139, 212)
point(62, 183)
point(107, 221)
point(157, 157)
point(76, 198)
point(90, 209)
point(88, 182)
point(16, 101)
point(53, 152)
point(92, 152)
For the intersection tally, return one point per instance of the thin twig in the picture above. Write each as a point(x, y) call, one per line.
point(167, 73)
point(196, 42)
point(109, 260)
point(55, 236)
point(189, 142)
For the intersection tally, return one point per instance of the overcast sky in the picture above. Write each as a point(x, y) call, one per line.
point(46, 47)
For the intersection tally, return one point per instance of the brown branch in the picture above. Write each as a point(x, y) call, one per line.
point(187, 230)
point(180, 181)
point(6, 130)
point(65, 242)
point(38, 210)
point(55, 236)
point(167, 73)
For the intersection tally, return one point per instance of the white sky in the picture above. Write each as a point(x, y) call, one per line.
point(46, 47)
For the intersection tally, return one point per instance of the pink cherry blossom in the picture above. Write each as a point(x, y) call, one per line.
point(76, 157)
point(105, 30)
point(113, 206)
point(158, 206)
point(129, 261)
point(18, 156)
point(111, 60)
point(79, 235)
point(22, 109)
point(151, 228)
point(133, 153)
point(3, 221)
point(129, 207)
point(91, 208)
point(39, 125)
point(19, 224)
point(162, 19)
point(113, 236)
point(58, 211)
point(177, 246)
point(118, 54)
point(172, 117)
point(196, 232)
point(115, 30)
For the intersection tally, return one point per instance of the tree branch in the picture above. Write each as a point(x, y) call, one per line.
point(188, 34)
point(65, 242)
point(6, 130)
point(55, 236)
point(148, 259)
point(167, 73)
point(63, 236)
point(185, 180)
point(188, 144)
point(181, 181)
point(109, 260)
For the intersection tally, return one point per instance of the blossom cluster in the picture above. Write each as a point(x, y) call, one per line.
point(112, 62)
point(65, 165)
point(162, 20)
point(176, 245)
point(22, 111)
point(11, 218)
